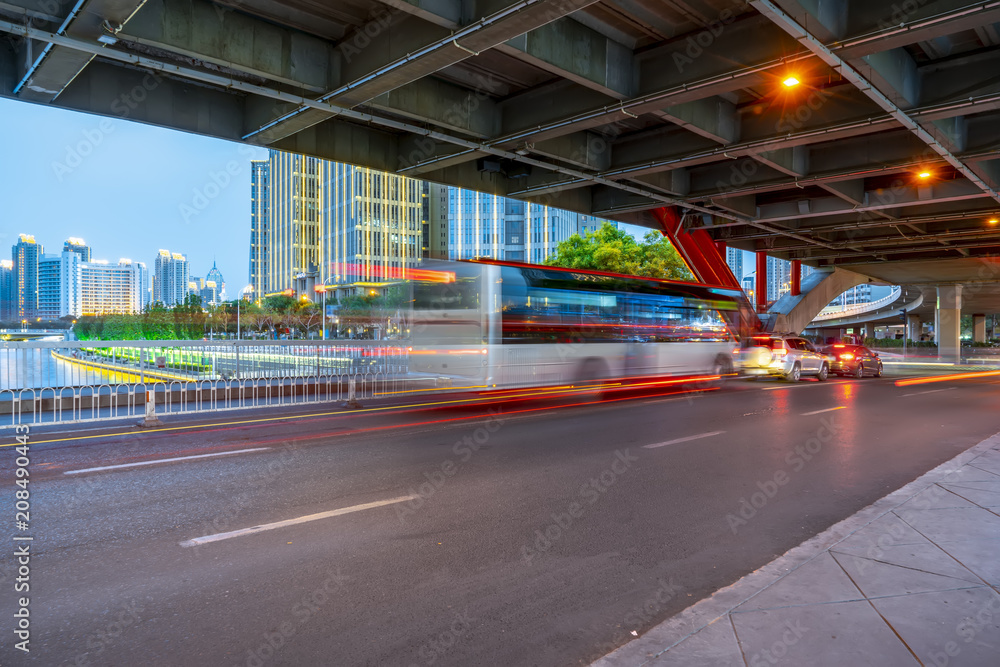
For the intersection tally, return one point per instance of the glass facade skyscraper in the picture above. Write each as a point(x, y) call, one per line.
point(26, 254)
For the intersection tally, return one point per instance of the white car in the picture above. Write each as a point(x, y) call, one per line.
point(788, 356)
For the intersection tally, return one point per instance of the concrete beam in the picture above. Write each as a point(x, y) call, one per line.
point(199, 30)
point(580, 54)
point(586, 150)
point(443, 104)
point(48, 72)
point(713, 118)
point(745, 205)
point(404, 49)
point(675, 182)
point(792, 161)
point(853, 192)
point(940, 192)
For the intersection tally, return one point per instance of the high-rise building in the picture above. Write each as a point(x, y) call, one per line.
point(319, 221)
point(435, 222)
point(7, 301)
point(779, 278)
point(484, 225)
point(734, 258)
point(858, 294)
point(25, 258)
point(79, 246)
point(372, 223)
point(170, 278)
point(59, 285)
point(295, 210)
point(69, 286)
point(111, 288)
point(589, 223)
point(259, 227)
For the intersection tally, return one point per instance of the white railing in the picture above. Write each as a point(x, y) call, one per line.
point(43, 382)
point(836, 312)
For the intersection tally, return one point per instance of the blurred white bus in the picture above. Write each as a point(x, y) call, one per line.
point(492, 324)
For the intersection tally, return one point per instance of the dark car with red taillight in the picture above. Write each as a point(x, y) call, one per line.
point(853, 360)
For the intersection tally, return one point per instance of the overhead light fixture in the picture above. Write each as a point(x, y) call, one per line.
point(791, 82)
point(108, 39)
point(924, 174)
point(994, 220)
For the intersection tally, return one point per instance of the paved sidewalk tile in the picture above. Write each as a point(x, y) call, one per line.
point(824, 635)
point(877, 579)
point(980, 556)
point(925, 557)
point(952, 525)
point(984, 494)
point(715, 646)
point(819, 580)
point(935, 497)
point(953, 628)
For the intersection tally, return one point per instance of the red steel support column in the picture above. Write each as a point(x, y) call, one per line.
point(796, 277)
point(761, 288)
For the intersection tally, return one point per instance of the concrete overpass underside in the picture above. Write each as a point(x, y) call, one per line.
point(613, 107)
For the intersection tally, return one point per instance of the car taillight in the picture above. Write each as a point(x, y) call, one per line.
point(847, 355)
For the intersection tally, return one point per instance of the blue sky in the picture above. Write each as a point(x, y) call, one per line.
point(126, 188)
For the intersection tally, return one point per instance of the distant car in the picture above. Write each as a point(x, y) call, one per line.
point(853, 360)
point(788, 356)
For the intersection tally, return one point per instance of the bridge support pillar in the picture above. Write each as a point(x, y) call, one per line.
point(796, 277)
point(913, 327)
point(761, 286)
point(949, 323)
point(979, 328)
point(869, 330)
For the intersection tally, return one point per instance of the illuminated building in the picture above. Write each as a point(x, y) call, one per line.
point(259, 226)
point(25, 265)
point(734, 258)
point(79, 246)
point(372, 225)
point(69, 286)
point(170, 278)
point(59, 285)
point(485, 225)
point(112, 288)
point(7, 307)
point(334, 222)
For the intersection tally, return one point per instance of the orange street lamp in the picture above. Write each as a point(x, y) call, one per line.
point(791, 82)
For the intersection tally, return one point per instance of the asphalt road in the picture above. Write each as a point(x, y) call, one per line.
point(535, 533)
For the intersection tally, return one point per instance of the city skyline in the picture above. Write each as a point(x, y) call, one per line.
point(175, 190)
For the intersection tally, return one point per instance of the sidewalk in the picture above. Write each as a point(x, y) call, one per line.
point(910, 580)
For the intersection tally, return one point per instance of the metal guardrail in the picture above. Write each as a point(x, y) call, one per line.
point(46, 382)
point(859, 308)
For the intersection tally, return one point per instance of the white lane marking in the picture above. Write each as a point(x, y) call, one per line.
point(291, 522)
point(678, 440)
point(150, 463)
point(819, 412)
point(804, 384)
point(929, 391)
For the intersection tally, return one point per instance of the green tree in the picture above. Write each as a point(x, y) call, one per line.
point(615, 250)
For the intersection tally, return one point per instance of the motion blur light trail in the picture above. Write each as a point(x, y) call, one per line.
point(945, 378)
